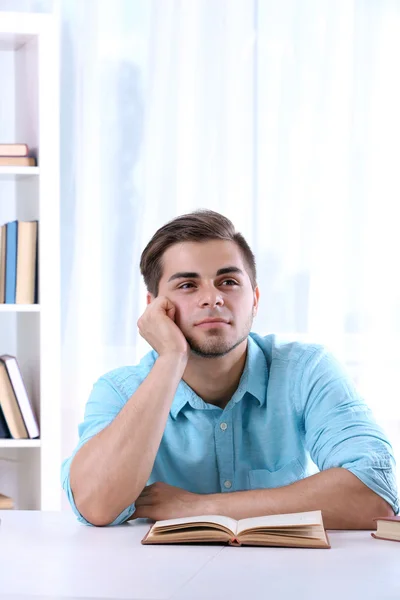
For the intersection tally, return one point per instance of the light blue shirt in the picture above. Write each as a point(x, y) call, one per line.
point(295, 411)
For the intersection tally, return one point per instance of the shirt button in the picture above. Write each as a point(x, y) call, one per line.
point(223, 426)
point(228, 484)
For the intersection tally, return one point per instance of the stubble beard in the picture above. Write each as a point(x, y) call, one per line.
point(215, 345)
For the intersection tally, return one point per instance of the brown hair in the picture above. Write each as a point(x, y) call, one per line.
point(197, 226)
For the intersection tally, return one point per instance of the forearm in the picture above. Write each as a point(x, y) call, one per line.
point(109, 472)
point(345, 502)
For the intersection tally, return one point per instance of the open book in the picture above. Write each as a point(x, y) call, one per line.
point(299, 530)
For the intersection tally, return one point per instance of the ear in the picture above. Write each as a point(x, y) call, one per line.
point(149, 298)
point(256, 300)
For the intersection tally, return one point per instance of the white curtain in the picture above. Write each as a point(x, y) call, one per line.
point(284, 115)
point(328, 154)
point(157, 119)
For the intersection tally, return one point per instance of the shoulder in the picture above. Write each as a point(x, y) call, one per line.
point(293, 352)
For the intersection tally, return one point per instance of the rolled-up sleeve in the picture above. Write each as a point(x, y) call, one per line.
point(102, 407)
point(340, 430)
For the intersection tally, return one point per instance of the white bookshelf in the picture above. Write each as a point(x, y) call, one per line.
point(12, 173)
point(29, 112)
point(7, 444)
point(15, 308)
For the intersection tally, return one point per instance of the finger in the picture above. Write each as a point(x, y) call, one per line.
point(145, 501)
point(146, 491)
point(167, 306)
point(143, 512)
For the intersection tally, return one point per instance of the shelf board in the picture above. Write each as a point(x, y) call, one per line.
point(19, 28)
point(20, 308)
point(18, 172)
point(7, 443)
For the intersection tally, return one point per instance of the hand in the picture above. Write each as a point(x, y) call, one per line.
point(157, 326)
point(161, 501)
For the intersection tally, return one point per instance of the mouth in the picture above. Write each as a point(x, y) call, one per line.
point(212, 323)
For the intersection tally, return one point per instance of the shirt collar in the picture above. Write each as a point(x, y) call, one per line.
point(254, 380)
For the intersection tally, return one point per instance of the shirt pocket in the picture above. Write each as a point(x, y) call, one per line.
point(289, 473)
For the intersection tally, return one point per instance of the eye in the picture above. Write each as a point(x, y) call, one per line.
point(184, 286)
point(230, 282)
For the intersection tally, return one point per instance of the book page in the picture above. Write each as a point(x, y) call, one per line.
point(226, 522)
point(278, 521)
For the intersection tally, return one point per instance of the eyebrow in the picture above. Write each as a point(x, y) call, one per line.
point(192, 275)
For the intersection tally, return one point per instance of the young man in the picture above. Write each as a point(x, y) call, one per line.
point(218, 420)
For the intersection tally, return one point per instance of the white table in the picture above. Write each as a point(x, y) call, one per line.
point(49, 556)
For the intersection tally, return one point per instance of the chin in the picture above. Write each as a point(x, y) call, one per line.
point(214, 347)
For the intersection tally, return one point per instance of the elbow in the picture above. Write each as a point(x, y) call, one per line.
point(88, 501)
point(94, 507)
point(88, 508)
point(99, 504)
point(91, 506)
point(92, 510)
point(376, 508)
point(383, 509)
point(98, 519)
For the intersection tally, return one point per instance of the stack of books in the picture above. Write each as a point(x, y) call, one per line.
point(16, 155)
point(19, 262)
point(17, 419)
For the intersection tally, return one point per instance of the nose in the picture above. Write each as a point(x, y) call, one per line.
point(211, 297)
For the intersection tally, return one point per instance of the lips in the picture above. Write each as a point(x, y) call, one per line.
point(213, 321)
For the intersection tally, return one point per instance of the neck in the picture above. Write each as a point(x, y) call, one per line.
point(216, 379)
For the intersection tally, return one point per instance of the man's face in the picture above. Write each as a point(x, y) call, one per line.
point(208, 281)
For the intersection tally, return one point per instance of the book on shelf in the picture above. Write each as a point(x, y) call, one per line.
point(6, 503)
point(14, 400)
point(14, 150)
point(387, 528)
point(296, 530)
point(4, 430)
point(3, 231)
point(19, 262)
point(26, 262)
point(11, 261)
point(17, 161)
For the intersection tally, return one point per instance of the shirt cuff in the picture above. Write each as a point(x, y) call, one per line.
point(379, 477)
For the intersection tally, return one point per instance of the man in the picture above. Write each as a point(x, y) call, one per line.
point(218, 420)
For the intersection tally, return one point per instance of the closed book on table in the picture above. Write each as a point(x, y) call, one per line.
point(388, 528)
point(11, 261)
point(15, 377)
point(10, 406)
point(14, 150)
point(26, 262)
point(3, 233)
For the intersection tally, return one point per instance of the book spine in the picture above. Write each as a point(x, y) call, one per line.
point(14, 150)
point(26, 262)
point(17, 161)
point(11, 261)
point(10, 406)
point(36, 298)
point(3, 233)
point(21, 395)
point(235, 542)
